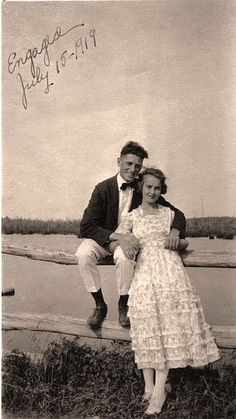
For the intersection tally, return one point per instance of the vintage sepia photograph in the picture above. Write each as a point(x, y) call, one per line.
point(118, 209)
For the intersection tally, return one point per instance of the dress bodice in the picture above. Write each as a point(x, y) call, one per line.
point(150, 230)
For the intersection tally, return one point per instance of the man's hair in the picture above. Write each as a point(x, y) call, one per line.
point(134, 148)
point(157, 173)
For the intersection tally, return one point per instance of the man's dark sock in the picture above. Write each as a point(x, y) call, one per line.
point(98, 297)
point(123, 311)
point(123, 300)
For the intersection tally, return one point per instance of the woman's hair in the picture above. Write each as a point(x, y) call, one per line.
point(157, 173)
point(134, 148)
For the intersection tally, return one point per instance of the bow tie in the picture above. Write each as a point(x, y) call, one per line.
point(133, 185)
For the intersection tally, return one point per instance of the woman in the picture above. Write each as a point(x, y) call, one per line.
point(168, 328)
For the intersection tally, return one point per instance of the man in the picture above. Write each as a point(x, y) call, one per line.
point(110, 200)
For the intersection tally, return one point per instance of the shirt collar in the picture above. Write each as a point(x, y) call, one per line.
point(120, 180)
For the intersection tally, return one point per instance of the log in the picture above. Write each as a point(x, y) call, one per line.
point(60, 324)
point(225, 336)
point(191, 258)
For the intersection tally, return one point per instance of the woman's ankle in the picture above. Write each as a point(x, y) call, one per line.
point(155, 405)
point(149, 389)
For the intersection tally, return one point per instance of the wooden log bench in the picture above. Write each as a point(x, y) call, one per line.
point(225, 335)
point(191, 258)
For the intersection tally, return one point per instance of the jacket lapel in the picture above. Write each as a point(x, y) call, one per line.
point(114, 197)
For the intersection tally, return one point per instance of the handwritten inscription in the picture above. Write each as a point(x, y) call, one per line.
point(81, 45)
point(38, 74)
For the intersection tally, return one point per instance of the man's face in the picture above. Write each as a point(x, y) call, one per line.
point(130, 166)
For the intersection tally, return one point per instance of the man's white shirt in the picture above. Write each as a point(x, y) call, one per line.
point(125, 198)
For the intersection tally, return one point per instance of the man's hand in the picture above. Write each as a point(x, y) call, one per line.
point(172, 240)
point(128, 243)
point(183, 244)
point(112, 246)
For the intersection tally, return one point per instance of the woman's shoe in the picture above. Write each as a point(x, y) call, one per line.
point(147, 396)
point(155, 405)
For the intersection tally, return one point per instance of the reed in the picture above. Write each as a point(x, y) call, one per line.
point(28, 226)
point(220, 227)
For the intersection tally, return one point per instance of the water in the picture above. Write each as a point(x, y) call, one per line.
point(48, 288)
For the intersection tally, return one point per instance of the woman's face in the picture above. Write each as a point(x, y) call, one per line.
point(151, 189)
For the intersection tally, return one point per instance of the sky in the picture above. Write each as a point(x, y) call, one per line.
point(161, 73)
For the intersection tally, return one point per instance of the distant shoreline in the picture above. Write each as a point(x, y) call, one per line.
point(220, 227)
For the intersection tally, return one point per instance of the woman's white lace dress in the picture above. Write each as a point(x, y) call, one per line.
point(168, 328)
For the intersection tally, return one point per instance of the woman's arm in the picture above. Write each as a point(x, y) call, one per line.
point(124, 238)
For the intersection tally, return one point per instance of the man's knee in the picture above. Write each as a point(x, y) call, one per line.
point(120, 258)
point(86, 252)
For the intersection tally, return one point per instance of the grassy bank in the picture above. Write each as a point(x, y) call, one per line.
point(77, 381)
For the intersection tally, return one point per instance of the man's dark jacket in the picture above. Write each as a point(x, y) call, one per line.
point(101, 216)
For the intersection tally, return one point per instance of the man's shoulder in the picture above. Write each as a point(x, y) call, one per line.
point(111, 181)
point(164, 208)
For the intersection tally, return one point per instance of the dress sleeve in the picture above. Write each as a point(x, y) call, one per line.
point(126, 224)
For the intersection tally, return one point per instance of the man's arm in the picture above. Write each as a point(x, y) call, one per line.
point(123, 237)
point(128, 243)
point(178, 226)
point(91, 225)
point(94, 220)
point(179, 222)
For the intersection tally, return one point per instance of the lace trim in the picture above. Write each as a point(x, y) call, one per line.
point(157, 344)
point(178, 363)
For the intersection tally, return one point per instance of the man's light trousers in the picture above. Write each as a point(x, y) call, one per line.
point(88, 254)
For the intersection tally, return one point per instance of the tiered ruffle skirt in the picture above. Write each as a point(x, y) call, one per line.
point(168, 327)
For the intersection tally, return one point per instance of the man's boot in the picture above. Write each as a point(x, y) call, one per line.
point(99, 313)
point(123, 310)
